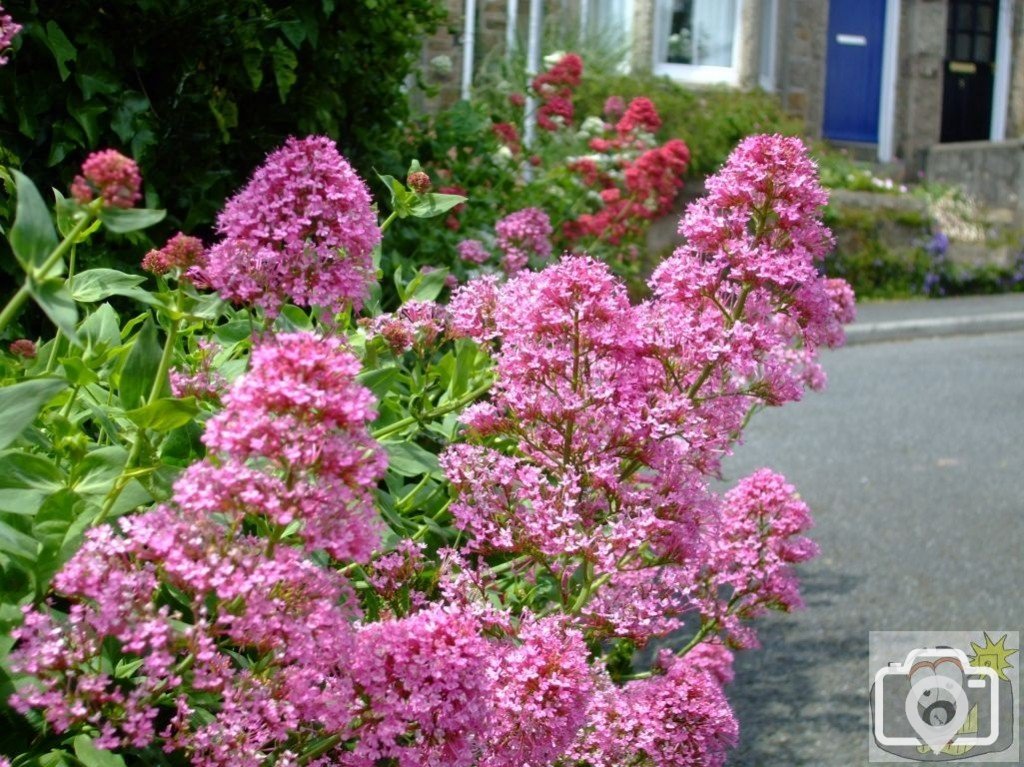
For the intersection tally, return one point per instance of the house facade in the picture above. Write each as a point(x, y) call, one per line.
point(894, 76)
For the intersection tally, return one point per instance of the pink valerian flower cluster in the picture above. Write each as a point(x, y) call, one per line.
point(473, 252)
point(521, 236)
point(619, 412)
point(641, 115)
point(180, 253)
point(110, 176)
point(199, 380)
point(302, 230)
point(681, 717)
point(23, 347)
point(8, 31)
point(637, 180)
point(412, 689)
point(555, 88)
point(292, 446)
point(541, 689)
point(762, 523)
point(416, 324)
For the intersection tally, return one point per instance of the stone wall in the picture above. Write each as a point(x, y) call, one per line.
point(803, 33)
point(992, 173)
point(919, 79)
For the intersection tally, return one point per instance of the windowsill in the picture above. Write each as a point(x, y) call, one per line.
point(701, 75)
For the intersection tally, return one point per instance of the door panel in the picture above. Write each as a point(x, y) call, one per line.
point(968, 70)
point(853, 77)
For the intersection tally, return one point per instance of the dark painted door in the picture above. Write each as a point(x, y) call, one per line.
point(969, 70)
point(853, 76)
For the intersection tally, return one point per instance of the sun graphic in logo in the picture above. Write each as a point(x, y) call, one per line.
point(992, 655)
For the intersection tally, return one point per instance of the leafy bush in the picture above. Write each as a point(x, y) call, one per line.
point(269, 523)
point(711, 121)
point(599, 179)
point(198, 93)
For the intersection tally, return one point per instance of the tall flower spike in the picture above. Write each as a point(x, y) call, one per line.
point(302, 230)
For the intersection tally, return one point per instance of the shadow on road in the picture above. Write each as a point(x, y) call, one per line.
point(786, 713)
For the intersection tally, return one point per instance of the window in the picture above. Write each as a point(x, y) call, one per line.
point(696, 40)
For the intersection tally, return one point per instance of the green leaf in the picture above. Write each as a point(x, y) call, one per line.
point(433, 204)
point(140, 367)
point(16, 544)
point(380, 381)
point(101, 330)
point(90, 756)
point(97, 284)
point(407, 459)
point(427, 285)
point(55, 529)
point(78, 373)
point(164, 414)
point(26, 479)
point(122, 220)
point(252, 61)
point(61, 48)
point(53, 297)
point(21, 403)
point(32, 237)
point(95, 474)
point(285, 63)
point(401, 198)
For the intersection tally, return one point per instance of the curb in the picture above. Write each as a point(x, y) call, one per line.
point(907, 330)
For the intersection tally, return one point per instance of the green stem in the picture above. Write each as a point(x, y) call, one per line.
point(161, 374)
point(319, 748)
point(455, 404)
point(18, 299)
point(388, 220)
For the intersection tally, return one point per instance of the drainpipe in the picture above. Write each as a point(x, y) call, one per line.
point(584, 19)
point(468, 43)
point(532, 68)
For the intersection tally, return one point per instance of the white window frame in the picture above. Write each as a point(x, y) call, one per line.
point(1001, 81)
point(695, 73)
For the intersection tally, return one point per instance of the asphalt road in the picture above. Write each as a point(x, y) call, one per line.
point(913, 462)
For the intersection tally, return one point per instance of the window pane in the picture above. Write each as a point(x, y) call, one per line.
point(700, 32)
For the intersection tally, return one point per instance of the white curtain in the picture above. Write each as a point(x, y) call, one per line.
point(714, 28)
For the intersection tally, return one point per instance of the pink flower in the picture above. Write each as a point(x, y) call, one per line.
point(614, 107)
point(419, 182)
point(302, 230)
point(110, 175)
point(8, 30)
point(522, 235)
point(299, 412)
point(416, 324)
point(679, 718)
point(640, 115)
point(180, 253)
point(541, 689)
point(422, 689)
point(23, 347)
point(472, 251)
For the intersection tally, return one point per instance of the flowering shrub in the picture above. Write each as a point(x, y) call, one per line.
point(301, 532)
point(599, 181)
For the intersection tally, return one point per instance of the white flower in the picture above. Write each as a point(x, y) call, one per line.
point(442, 64)
point(553, 58)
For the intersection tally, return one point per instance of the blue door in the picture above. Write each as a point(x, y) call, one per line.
point(853, 76)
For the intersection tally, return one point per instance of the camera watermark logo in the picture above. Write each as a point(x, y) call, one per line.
point(944, 696)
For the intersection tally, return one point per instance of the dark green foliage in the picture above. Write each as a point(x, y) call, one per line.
point(199, 91)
